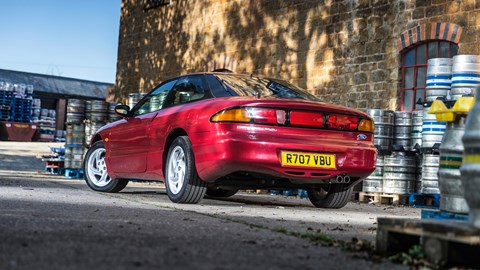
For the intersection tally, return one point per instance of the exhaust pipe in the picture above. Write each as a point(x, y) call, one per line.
point(346, 179)
point(340, 179)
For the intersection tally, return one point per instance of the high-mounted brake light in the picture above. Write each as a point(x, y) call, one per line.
point(343, 122)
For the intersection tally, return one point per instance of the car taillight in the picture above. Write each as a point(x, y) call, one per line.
point(248, 115)
point(232, 115)
point(343, 122)
point(366, 125)
point(307, 119)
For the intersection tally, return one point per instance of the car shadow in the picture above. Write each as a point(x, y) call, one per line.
point(260, 201)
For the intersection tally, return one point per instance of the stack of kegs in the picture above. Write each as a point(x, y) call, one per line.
point(403, 129)
point(439, 78)
point(36, 109)
point(74, 145)
point(73, 157)
point(429, 179)
point(383, 134)
point(399, 173)
point(416, 136)
point(75, 111)
point(374, 182)
point(432, 130)
point(96, 117)
point(112, 115)
point(465, 75)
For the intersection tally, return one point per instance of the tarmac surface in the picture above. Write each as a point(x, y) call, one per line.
point(50, 222)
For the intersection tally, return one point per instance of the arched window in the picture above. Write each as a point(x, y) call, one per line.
point(414, 70)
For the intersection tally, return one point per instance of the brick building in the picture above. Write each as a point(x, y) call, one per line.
point(350, 52)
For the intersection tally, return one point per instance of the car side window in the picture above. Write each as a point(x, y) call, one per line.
point(155, 100)
point(187, 89)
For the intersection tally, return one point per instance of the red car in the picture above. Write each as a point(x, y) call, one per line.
point(216, 133)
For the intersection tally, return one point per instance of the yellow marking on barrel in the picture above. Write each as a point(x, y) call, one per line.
point(106, 140)
point(471, 159)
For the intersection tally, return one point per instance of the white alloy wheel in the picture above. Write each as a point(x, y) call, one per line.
point(97, 169)
point(176, 170)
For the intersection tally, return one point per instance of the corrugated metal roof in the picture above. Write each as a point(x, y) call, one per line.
point(62, 86)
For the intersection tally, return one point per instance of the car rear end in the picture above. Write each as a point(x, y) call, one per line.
point(306, 142)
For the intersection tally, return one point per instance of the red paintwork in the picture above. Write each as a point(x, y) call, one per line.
point(136, 146)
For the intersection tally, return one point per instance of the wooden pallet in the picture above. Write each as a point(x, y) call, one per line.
point(383, 198)
point(447, 243)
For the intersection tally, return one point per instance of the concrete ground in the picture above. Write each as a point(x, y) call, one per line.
point(50, 222)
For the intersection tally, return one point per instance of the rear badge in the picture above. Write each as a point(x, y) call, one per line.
point(361, 137)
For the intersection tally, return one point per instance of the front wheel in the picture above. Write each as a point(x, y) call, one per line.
point(95, 170)
point(334, 196)
point(181, 179)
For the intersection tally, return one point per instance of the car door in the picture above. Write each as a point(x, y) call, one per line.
point(130, 141)
point(176, 114)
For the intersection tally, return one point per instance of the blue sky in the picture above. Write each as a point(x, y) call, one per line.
point(77, 39)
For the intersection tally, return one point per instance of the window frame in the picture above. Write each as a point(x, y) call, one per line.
point(416, 67)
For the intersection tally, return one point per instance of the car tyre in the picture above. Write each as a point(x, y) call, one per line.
point(221, 193)
point(95, 171)
point(182, 182)
point(335, 196)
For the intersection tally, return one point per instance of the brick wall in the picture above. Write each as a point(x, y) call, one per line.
point(346, 52)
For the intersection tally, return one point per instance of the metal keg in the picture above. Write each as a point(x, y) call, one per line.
point(465, 75)
point(77, 158)
point(96, 110)
point(452, 197)
point(383, 134)
point(75, 134)
point(68, 157)
point(374, 182)
point(36, 103)
point(403, 129)
point(430, 174)
point(416, 135)
point(75, 111)
point(133, 99)
point(399, 173)
point(432, 131)
point(418, 173)
point(470, 169)
point(439, 78)
point(90, 130)
point(112, 116)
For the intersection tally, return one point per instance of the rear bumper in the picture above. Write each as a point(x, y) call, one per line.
point(231, 148)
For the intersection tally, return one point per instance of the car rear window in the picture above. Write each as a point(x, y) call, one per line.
point(239, 85)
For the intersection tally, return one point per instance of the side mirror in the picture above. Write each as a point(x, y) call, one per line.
point(122, 110)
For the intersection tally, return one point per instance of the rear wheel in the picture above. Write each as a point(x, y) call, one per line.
point(221, 193)
point(95, 170)
point(181, 179)
point(333, 196)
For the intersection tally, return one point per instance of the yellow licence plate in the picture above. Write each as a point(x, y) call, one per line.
point(308, 160)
